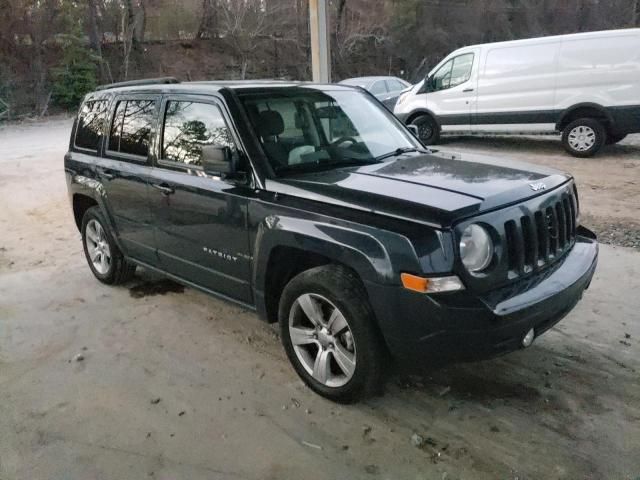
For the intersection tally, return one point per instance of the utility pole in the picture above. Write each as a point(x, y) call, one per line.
point(320, 51)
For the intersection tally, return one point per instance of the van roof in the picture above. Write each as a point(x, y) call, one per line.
point(571, 36)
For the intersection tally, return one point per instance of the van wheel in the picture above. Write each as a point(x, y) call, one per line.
point(103, 255)
point(428, 130)
point(329, 333)
point(584, 137)
point(611, 139)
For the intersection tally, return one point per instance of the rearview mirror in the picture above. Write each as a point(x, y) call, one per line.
point(217, 160)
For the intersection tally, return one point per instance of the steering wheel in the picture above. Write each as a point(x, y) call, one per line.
point(342, 140)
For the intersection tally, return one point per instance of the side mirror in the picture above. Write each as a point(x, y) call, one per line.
point(413, 129)
point(218, 160)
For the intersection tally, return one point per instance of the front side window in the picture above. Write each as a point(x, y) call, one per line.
point(190, 126)
point(453, 73)
point(306, 129)
point(132, 126)
point(91, 123)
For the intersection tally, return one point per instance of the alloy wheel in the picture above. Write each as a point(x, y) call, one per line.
point(322, 340)
point(98, 247)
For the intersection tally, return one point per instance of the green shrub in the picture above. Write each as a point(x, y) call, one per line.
point(75, 76)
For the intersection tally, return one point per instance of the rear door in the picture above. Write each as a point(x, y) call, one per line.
point(201, 220)
point(124, 172)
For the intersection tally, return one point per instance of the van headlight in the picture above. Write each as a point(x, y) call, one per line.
point(476, 248)
point(403, 97)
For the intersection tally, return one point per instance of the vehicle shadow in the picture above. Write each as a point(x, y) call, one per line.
point(553, 393)
point(543, 144)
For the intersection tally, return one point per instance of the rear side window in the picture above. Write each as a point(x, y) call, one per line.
point(91, 123)
point(132, 126)
point(378, 87)
point(395, 85)
point(190, 126)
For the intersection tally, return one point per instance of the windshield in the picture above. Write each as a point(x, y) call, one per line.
point(305, 129)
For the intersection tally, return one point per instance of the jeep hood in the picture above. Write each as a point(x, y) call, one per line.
point(435, 188)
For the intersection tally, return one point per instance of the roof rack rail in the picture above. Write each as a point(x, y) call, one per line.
point(145, 81)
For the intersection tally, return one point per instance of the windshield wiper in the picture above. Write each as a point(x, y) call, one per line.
point(400, 151)
point(322, 164)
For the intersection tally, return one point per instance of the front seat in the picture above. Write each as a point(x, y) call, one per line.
point(271, 125)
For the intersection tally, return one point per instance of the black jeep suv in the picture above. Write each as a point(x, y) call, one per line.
point(316, 207)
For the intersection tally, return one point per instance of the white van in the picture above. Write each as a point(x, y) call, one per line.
point(585, 85)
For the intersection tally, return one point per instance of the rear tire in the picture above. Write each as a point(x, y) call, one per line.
point(584, 137)
point(102, 253)
point(338, 351)
point(611, 139)
point(428, 129)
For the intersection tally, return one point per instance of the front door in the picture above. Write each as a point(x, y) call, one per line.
point(201, 220)
point(124, 173)
point(451, 92)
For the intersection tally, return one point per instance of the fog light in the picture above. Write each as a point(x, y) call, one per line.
point(528, 338)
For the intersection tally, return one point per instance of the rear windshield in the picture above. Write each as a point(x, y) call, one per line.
point(91, 122)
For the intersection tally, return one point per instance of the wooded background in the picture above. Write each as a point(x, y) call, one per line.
point(53, 51)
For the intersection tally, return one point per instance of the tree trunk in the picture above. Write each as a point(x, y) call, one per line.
point(95, 36)
point(207, 28)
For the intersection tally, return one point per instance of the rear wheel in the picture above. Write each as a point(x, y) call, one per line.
point(611, 139)
point(329, 334)
point(103, 255)
point(428, 130)
point(584, 137)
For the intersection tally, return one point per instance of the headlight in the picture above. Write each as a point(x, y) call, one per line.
point(476, 248)
point(403, 97)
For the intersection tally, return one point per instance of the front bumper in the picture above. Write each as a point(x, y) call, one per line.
point(438, 329)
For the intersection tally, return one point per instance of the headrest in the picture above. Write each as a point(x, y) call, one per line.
point(270, 123)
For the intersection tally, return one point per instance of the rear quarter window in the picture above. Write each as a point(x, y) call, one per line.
point(91, 122)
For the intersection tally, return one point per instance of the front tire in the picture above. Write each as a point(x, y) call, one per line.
point(329, 334)
point(428, 129)
point(103, 255)
point(584, 137)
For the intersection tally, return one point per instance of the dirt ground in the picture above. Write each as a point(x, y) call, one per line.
point(175, 384)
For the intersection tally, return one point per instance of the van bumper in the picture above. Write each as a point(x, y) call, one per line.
point(429, 330)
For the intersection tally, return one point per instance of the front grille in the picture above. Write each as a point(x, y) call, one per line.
point(537, 239)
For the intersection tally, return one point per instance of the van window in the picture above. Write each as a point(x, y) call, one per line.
point(453, 73)
point(91, 122)
point(132, 126)
point(190, 126)
point(519, 61)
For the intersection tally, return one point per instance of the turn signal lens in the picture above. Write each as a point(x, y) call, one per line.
point(431, 285)
point(415, 283)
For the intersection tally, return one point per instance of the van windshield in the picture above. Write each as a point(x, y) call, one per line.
point(306, 129)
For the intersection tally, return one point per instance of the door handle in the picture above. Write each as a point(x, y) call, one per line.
point(164, 188)
point(467, 90)
point(108, 174)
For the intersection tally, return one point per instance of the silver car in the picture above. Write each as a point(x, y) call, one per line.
point(385, 89)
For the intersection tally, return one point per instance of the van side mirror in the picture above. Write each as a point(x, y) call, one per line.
point(413, 129)
point(218, 160)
